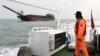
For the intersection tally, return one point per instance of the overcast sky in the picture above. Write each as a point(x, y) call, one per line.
point(67, 8)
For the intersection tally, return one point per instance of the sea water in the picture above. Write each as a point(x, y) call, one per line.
point(14, 33)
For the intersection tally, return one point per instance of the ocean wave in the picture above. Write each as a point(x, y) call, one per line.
point(9, 51)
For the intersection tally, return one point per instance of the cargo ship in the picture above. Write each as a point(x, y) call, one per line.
point(22, 17)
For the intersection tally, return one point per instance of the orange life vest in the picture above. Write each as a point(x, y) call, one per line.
point(77, 26)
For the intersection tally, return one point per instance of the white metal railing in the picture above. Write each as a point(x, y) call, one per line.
point(66, 27)
point(69, 29)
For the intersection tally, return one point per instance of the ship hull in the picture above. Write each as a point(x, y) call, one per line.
point(35, 18)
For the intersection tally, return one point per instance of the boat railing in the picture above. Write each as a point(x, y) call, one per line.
point(66, 27)
point(89, 36)
point(69, 29)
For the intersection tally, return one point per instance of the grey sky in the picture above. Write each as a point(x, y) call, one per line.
point(67, 8)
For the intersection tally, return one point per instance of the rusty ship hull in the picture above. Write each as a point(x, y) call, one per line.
point(35, 18)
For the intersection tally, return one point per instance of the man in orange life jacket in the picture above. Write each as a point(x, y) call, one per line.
point(80, 32)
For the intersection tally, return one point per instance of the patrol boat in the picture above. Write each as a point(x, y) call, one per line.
point(46, 41)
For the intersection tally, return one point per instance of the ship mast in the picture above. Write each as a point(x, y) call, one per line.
point(58, 12)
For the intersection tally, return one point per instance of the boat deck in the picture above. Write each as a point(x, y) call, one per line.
point(66, 52)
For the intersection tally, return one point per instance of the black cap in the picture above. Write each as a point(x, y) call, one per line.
point(78, 13)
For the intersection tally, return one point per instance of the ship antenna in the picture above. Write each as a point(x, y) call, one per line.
point(58, 12)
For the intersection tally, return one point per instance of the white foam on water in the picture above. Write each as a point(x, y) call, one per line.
point(9, 51)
